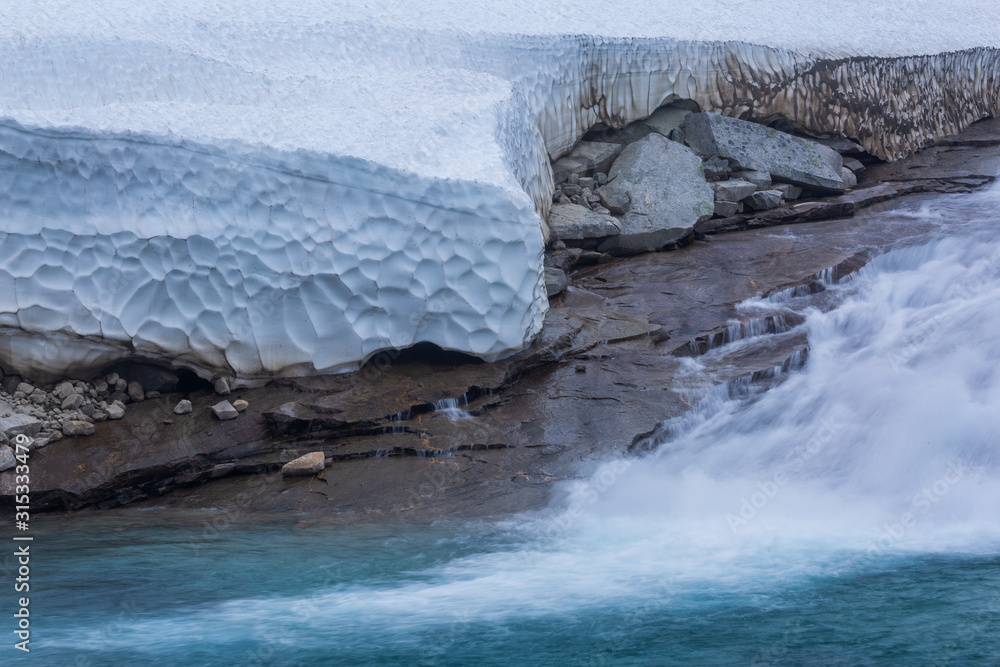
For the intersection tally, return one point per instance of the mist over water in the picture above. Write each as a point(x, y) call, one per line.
point(761, 526)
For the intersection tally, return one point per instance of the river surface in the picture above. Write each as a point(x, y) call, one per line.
point(849, 515)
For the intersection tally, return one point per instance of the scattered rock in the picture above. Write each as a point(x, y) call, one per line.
point(7, 459)
point(854, 165)
point(224, 410)
point(788, 191)
point(5, 409)
point(716, 169)
point(564, 259)
point(667, 194)
point(63, 390)
point(735, 190)
point(310, 464)
point(115, 411)
point(152, 394)
point(25, 388)
point(581, 368)
point(764, 200)
point(100, 416)
point(183, 408)
point(20, 424)
point(586, 156)
point(72, 402)
point(240, 405)
point(222, 387)
point(789, 158)
point(727, 209)
point(135, 391)
point(556, 281)
point(850, 180)
point(571, 222)
point(75, 428)
point(121, 386)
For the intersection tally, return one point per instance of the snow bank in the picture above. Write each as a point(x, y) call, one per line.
point(253, 188)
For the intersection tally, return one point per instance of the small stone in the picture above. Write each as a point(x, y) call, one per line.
point(115, 411)
point(240, 405)
point(580, 368)
point(112, 379)
point(764, 200)
point(854, 165)
point(183, 408)
point(101, 387)
point(120, 404)
point(25, 388)
point(715, 168)
point(222, 387)
point(224, 410)
point(38, 397)
point(850, 180)
point(88, 410)
point(168, 422)
point(153, 394)
point(135, 391)
point(727, 209)
point(310, 464)
point(63, 390)
point(100, 416)
point(121, 385)
point(556, 281)
point(54, 436)
point(733, 190)
point(588, 183)
point(75, 428)
point(601, 178)
point(72, 402)
point(788, 191)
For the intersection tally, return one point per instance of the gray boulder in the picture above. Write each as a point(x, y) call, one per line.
point(788, 191)
point(727, 209)
point(72, 402)
point(572, 222)
point(7, 459)
point(555, 281)
point(734, 190)
point(75, 428)
point(183, 407)
point(19, 424)
point(666, 194)
point(850, 180)
point(115, 411)
point(224, 410)
point(310, 464)
point(135, 391)
point(788, 158)
point(586, 156)
point(764, 200)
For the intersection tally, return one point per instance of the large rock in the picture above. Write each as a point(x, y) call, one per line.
point(667, 120)
point(764, 200)
point(572, 222)
point(310, 464)
point(586, 157)
point(662, 191)
point(18, 424)
point(787, 158)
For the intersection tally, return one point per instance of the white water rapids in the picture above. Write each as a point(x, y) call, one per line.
point(885, 443)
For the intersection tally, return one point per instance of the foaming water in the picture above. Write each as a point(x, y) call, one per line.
point(761, 525)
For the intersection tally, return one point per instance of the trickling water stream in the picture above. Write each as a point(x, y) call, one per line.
point(847, 515)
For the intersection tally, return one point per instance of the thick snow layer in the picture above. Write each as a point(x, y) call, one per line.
point(262, 187)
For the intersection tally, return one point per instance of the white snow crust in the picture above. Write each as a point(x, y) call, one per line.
point(257, 188)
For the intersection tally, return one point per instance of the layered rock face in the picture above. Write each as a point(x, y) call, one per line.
point(257, 189)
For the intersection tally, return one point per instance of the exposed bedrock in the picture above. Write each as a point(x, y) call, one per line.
point(293, 191)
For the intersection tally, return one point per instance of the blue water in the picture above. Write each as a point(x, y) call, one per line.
point(847, 516)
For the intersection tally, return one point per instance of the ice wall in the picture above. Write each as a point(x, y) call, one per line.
point(252, 188)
